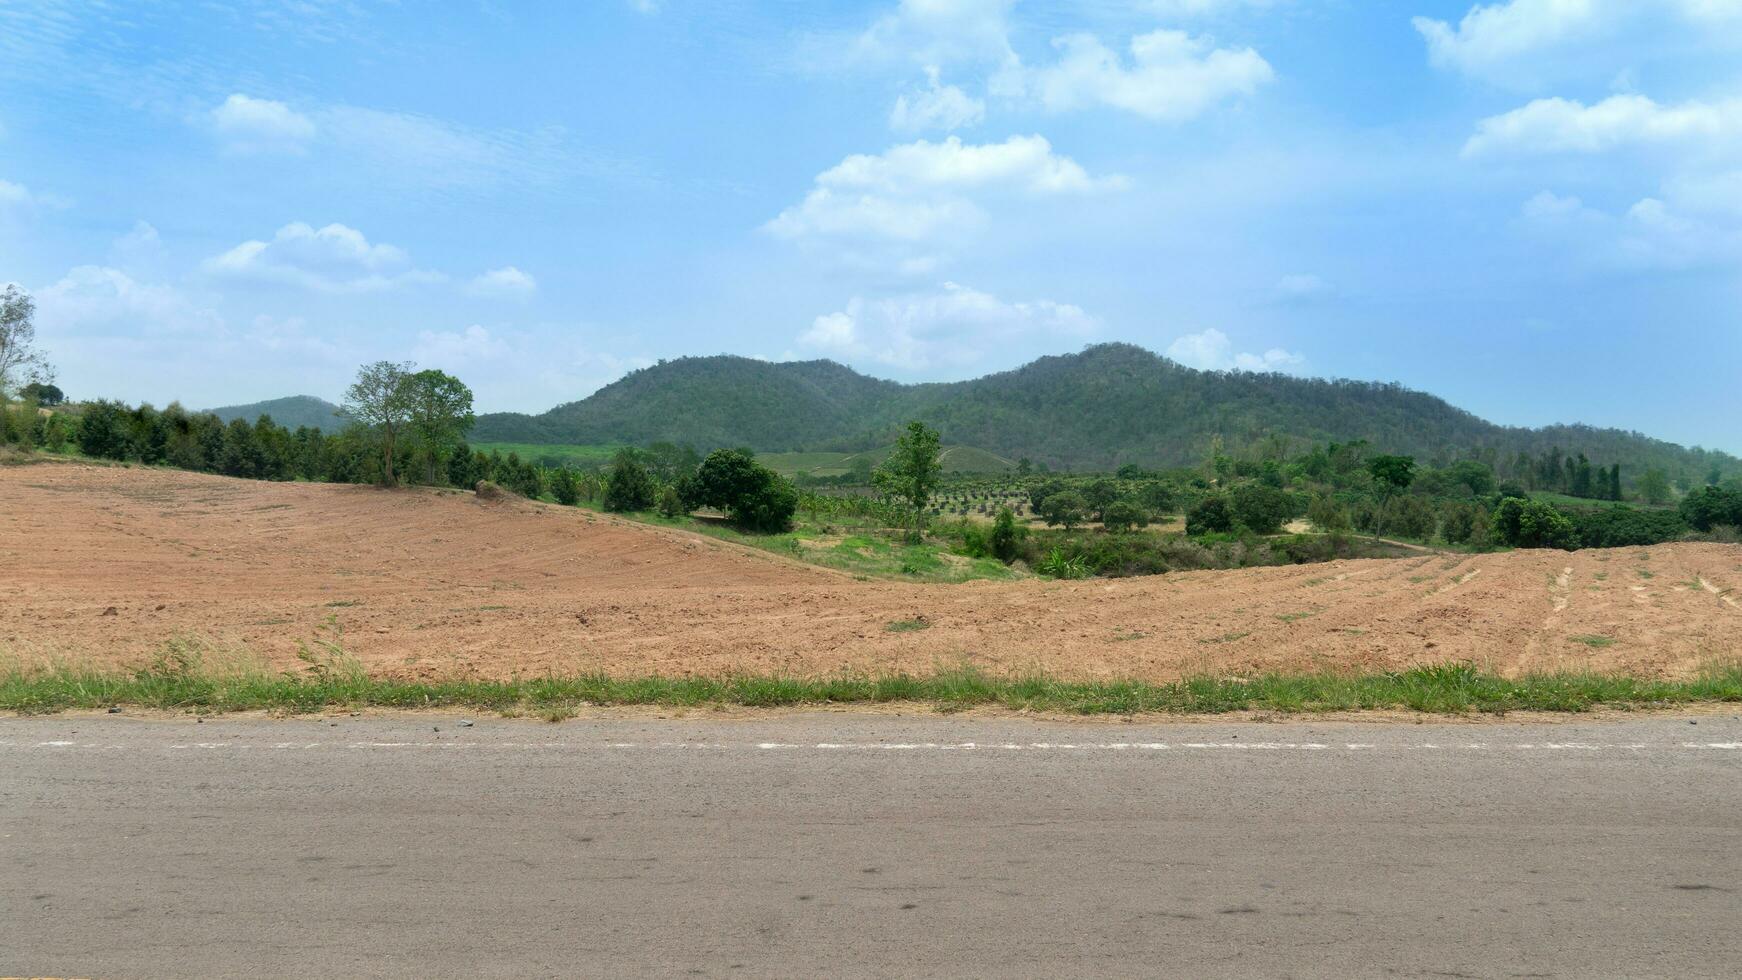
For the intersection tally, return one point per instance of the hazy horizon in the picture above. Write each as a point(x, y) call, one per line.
point(1528, 209)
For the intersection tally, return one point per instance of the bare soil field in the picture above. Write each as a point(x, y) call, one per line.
point(105, 564)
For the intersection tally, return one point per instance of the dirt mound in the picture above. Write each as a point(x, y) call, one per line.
point(436, 583)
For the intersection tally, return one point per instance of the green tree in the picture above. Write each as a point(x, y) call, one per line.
point(1392, 475)
point(750, 494)
point(1066, 509)
point(1100, 494)
point(1261, 509)
point(21, 361)
point(1006, 536)
point(564, 487)
point(1327, 515)
point(439, 414)
point(629, 487)
point(1211, 516)
point(379, 401)
point(45, 394)
point(1654, 486)
point(670, 502)
point(1122, 516)
point(1533, 524)
point(911, 473)
point(103, 431)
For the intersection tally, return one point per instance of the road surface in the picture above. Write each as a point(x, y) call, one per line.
point(845, 844)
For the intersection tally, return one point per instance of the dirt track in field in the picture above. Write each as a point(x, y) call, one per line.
point(106, 564)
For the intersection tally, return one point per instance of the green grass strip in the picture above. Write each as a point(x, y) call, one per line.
point(1449, 688)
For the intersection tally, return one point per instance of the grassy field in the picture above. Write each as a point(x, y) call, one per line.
point(954, 459)
point(581, 457)
point(182, 682)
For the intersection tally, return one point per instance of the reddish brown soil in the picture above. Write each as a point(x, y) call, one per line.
point(106, 564)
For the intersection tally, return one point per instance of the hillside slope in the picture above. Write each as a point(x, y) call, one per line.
point(1105, 406)
point(291, 412)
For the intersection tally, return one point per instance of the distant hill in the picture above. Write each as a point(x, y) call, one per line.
point(291, 412)
point(1108, 405)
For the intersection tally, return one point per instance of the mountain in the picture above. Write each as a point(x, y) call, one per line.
point(1105, 406)
point(291, 412)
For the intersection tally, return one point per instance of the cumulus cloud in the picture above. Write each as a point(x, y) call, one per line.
point(1499, 38)
point(334, 258)
point(457, 350)
point(1651, 234)
point(507, 282)
point(937, 106)
point(94, 299)
point(953, 325)
point(915, 191)
point(1569, 126)
point(13, 194)
point(250, 125)
point(1211, 350)
point(1171, 75)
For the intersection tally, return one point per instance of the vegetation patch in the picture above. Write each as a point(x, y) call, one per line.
point(181, 679)
point(1592, 640)
point(909, 625)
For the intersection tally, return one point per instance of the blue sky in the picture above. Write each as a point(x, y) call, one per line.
point(1532, 208)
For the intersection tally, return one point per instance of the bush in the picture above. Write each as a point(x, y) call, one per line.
point(1327, 515)
point(1210, 516)
point(1624, 527)
point(1708, 507)
point(1533, 524)
point(629, 488)
point(1261, 509)
point(103, 431)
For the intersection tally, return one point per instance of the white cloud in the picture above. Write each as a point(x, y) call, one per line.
point(1568, 126)
point(457, 350)
point(937, 32)
point(13, 194)
point(507, 282)
point(936, 106)
point(93, 299)
point(916, 191)
point(330, 259)
point(249, 125)
point(1172, 76)
point(1211, 350)
point(1198, 8)
point(1498, 39)
point(644, 6)
point(1652, 234)
point(954, 325)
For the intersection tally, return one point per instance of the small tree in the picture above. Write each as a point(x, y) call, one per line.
point(45, 394)
point(1066, 508)
point(1006, 536)
point(564, 487)
point(439, 416)
point(628, 488)
point(671, 502)
point(1210, 516)
point(1262, 509)
point(1121, 516)
point(1654, 487)
point(911, 473)
point(1533, 524)
point(20, 360)
point(752, 495)
point(379, 400)
point(1393, 475)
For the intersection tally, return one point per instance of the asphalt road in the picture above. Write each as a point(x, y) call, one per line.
point(855, 845)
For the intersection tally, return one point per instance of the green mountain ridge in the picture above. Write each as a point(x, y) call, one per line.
point(291, 412)
point(1103, 407)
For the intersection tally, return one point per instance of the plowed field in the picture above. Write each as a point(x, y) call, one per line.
point(106, 564)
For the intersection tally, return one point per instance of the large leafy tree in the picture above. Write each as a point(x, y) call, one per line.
point(21, 361)
point(1392, 475)
point(439, 416)
point(380, 401)
point(752, 495)
point(911, 473)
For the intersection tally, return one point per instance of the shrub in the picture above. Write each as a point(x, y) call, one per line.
point(1059, 565)
point(1327, 515)
point(1624, 527)
point(1211, 516)
point(1710, 506)
point(103, 431)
